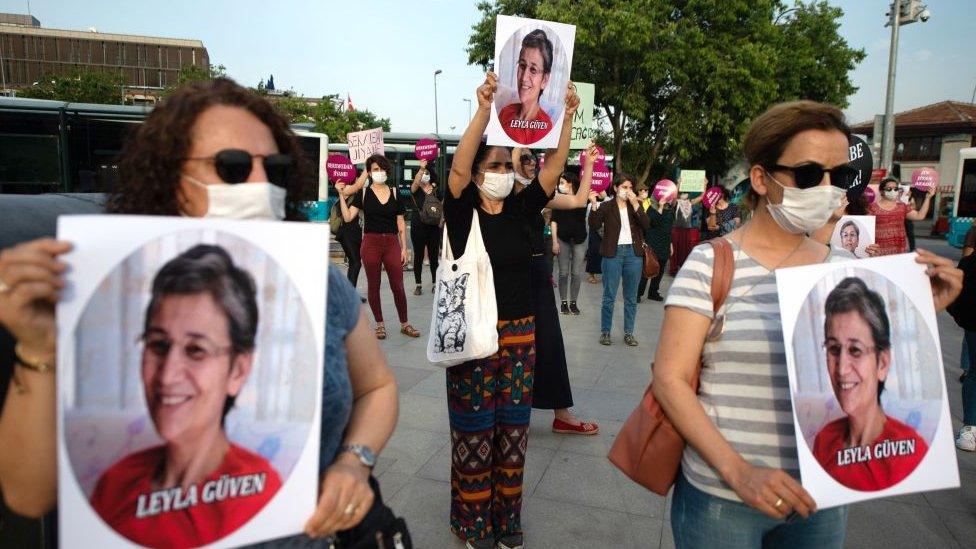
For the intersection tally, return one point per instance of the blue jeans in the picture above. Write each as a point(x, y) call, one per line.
point(627, 265)
point(969, 384)
point(699, 519)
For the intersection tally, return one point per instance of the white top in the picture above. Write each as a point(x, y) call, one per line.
point(625, 236)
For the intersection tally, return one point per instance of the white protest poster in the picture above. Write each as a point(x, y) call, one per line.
point(533, 60)
point(583, 132)
point(864, 361)
point(190, 359)
point(364, 144)
point(853, 233)
point(692, 181)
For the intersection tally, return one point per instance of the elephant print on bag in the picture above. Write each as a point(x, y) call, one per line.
point(451, 325)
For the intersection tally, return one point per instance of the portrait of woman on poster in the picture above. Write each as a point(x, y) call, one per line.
point(866, 449)
point(527, 121)
point(198, 347)
point(850, 237)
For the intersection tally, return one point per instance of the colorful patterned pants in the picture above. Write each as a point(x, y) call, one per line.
point(489, 402)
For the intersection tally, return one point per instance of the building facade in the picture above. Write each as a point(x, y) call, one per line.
point(147, 64)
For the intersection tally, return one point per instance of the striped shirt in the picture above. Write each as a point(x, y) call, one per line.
point(744, 386)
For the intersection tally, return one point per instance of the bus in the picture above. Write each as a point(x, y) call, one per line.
point(964, 209)
point(58, 147)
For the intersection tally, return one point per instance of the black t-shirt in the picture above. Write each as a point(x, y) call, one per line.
point(378, 218)
point(507, 238)
point(570, 225)
point(538, 238)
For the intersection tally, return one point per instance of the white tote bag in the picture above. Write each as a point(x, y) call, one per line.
point(464, 320)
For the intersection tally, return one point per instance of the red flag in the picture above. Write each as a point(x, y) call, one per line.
point(349, 106)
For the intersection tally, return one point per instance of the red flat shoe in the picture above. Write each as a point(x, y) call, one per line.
point(566, 428)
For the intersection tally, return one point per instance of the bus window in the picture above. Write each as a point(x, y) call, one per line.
point(29, 164)
point(967, 189)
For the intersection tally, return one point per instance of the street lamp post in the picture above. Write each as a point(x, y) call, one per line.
point(468, 101)
point(436, 121)
point(913, 11)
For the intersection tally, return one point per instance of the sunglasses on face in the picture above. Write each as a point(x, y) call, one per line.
point(234, 166)
point(810, 175)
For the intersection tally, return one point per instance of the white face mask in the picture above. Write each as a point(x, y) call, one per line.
point(497, 185)
point(623, 194)
point(243, 200)
point(563, 188)
point(378, 177)
point(891, 195)
point(522, 180)
point(803, 211)
point(423, 179)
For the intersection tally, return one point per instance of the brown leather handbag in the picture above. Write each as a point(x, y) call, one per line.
point(648, 449)
point(651, 265)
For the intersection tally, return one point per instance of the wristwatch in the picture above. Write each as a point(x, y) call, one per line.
point(363, 452)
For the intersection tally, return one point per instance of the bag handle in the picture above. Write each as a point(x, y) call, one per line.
point(447, 253)
point(723, 269)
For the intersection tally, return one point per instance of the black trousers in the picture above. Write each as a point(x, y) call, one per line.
point(425, 237)
point(594, 259)
point(550, 389)
point(351, 239)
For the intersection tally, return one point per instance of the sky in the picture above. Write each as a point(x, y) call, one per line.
point(383, 53)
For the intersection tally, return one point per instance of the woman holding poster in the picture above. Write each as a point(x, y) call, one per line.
point(739, 478)
point(424, 234)
point(490, 399)
point(198, 486)
point(384, 238)
point(890, 215)
point(866, 449)
point(176, 164)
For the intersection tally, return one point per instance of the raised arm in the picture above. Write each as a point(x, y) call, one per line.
point(578, 200)
point(349, 190)
point(348, 212)
point(415, 186)
point(468, 146)
point(924, 210)
point(556, 159)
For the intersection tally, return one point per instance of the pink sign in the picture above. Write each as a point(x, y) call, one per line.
point(601, 157)
point(712, 196)
point(665, 191)
point(426, 149)
point(601, 178)
point(869, 195)
point(339, 168)
point(924, 179)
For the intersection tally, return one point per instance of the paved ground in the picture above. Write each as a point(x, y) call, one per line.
point(574, 498)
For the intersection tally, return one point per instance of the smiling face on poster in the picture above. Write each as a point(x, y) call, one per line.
point(533, 60)
point(865, 372)
point(854, 233)
point(191, 399)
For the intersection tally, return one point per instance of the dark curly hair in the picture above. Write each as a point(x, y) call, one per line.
point(151, 162)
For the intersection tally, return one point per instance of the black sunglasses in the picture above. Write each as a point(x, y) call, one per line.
point(810, 175)
point(234, 166)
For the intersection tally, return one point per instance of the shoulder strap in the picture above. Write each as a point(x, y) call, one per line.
point(723, 269)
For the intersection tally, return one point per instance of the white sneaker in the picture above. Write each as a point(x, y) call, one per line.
point(966, 439)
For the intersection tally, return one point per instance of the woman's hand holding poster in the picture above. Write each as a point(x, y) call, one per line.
point(190, 360)
point(865, 372)
point(854, 233)
point(533, 60)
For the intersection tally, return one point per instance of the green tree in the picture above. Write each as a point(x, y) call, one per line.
point(195, 73)
point(294, 109)
point(678, 81)
point(332, 118)
point(78, 86)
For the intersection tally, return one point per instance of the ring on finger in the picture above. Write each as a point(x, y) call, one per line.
point(779, 502)
point(4, 287)
point(350, 509)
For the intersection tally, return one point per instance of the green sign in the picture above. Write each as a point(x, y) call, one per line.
point(583, 120)
point(692, 181)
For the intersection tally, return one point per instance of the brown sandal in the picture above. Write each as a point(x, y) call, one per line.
point(381, 332)
point(409, 331)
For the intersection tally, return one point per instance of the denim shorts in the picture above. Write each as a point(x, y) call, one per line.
point(699, 519)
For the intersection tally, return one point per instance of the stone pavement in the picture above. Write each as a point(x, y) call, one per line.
point(574, 497)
